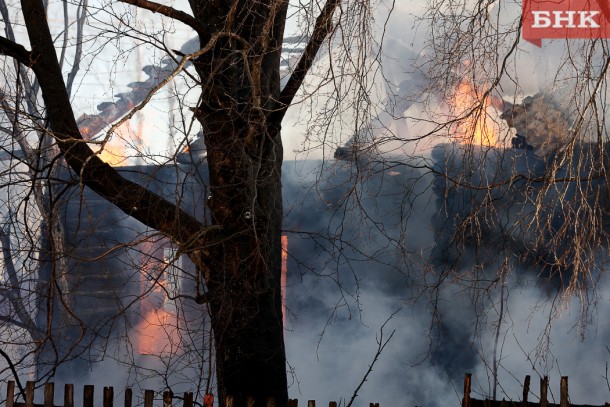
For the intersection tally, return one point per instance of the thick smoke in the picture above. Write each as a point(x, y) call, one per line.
point(347, 281)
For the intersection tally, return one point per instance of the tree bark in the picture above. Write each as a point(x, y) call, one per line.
point(241, 91)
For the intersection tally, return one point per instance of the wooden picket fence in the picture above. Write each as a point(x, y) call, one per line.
point(188, 401)
point(108, 398)
point(564, 399)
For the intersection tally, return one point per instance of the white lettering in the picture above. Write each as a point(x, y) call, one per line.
point(564, 17)
point(587, 17)
point(541, 19)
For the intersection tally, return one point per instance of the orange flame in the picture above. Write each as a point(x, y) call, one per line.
point(114, 151)
point(476, 127)
point(158, 332)
point(113, 154)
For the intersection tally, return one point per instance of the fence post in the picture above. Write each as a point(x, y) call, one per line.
point(149, 395)
point(188, 400)
point(466, 400)
point(10, 394)
point(29, 394)
point(291, 403)
point(128, 397)
point(49, 394)
point(88, 396)
point(544, 386)
point(311, 403)
point(332, 404)
point(108, 396)
point(69, 395)
point(167, 398)
point(563, 395)
point(270, 401)
point(229, 401)
point(526, 391)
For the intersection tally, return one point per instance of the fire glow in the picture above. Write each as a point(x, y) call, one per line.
point(112, 152)
point(158, 332)
point(476, 126)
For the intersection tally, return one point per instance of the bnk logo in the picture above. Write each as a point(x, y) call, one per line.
point(565, 19)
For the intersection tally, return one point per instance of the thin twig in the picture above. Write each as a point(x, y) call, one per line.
point(12, 367)
point(381, 344)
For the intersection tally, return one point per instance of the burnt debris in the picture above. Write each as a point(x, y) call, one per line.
point(541, 124)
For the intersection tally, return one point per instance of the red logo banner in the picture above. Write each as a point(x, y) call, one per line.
point(565, 19)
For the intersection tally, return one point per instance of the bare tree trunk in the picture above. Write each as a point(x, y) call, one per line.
point(245, 155)
point(244, 285)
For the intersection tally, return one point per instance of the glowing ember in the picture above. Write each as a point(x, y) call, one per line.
point(476, 127)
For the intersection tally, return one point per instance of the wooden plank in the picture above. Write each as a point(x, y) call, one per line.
point(167, 398)
point(188, 400)
point(270, 401)
point(311, 403)
point(149, 396)
point(466, 399)
point(526, 391)
point(108, 397)
point(128, 397)
point(29, 394)
point(10, 393)
point(373, 404)
point(293, 403)
point(563, 392)
point(229, 401)
point(49, 394)
point(88, 396)
point(69, 395)
point(332, 404)
point(250, 401)
point(544, 388)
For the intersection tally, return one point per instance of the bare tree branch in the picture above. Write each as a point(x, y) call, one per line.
point(82, 14)
point(11, 49)
point(168, 12)
point(14, 292)
point(15, 375)
point(381, 344)
point(16, 322)
point(323, 27)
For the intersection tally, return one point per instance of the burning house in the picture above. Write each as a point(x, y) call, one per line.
point(124, 279)
point(352, 224)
